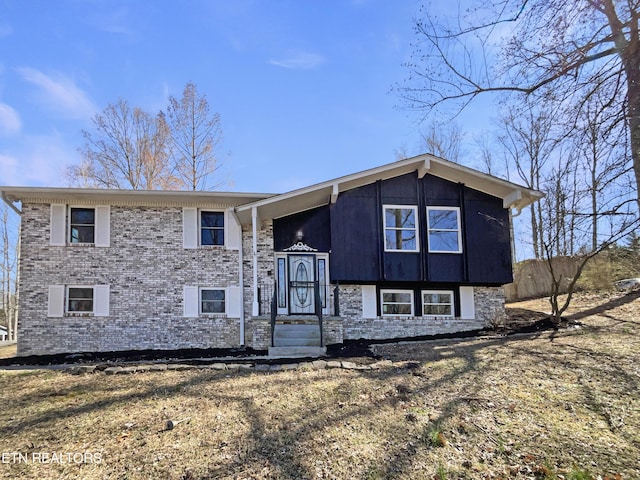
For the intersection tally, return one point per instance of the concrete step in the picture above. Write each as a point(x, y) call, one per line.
point(297, 352)
point(284, 331)
point(297, 342)
point(297, 335)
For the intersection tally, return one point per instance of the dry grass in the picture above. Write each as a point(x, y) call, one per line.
point(552, 405)
point(8, 351)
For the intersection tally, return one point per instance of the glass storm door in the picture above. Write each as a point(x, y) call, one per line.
point(302, 275)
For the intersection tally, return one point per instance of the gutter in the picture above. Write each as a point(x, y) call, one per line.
point(10, 203)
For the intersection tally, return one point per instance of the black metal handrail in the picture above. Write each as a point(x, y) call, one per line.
point(318, 308)
point(267, 291)
point(274, 314)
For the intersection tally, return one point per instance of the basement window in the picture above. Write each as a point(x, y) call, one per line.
point(79, 299)
point(437, 303)
point(397, 302)
point(212, 301)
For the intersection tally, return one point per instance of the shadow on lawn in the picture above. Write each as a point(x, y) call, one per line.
point(276, 441)
point(277, 448)
point(605, 307)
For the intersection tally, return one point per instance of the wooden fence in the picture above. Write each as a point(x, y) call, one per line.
point(531, 278)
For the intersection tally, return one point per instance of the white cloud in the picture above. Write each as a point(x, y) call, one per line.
point(60, 94)
point(37, 161)
point(10, 122)
point(299, 61)
point(115, 22)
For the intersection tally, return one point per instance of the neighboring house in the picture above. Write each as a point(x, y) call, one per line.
point(4, 334)
point(416, 247)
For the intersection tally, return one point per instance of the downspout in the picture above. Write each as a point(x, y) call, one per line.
point(240, 275)
point(254, 228)
point(10, 203)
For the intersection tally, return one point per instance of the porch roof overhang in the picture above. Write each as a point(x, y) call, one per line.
point(513, 195)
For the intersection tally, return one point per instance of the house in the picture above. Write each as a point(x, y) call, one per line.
point(4, 333)
point(416, 247)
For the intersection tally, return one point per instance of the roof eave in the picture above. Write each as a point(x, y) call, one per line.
point(513, 195)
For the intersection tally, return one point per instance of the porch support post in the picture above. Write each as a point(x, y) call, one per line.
point(254, 228)
point(240, 275)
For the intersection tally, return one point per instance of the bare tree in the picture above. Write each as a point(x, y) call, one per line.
point(528, 142)
point(196, 133)
point(127, 150)
point(442, 140)
point(622, 221)
point(601, 141)
point(550, 50)
point(9, 278)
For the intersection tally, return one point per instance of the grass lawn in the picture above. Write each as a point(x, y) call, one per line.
point(550, 405)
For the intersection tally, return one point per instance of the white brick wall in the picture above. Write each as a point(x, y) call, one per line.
point(487, 300)
point(146, 268)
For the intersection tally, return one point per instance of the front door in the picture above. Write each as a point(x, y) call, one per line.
point(302, 274)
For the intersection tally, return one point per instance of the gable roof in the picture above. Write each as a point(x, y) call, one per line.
point(513, 195)
point(268, 206)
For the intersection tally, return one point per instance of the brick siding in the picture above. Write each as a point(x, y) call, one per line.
point(146, 268)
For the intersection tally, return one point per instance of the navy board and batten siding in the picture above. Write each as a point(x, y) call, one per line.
point(314, 226)
point(352, 230)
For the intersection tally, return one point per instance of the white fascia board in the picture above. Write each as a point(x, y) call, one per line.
point(70, 195)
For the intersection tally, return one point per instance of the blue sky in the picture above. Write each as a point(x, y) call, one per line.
point(302, 86)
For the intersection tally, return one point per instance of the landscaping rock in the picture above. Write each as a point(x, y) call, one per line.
point(82, 369)
point(319, 364)
point(112, 370)
point(334, 364)
point(127, 371)
point(289, 366)
point(159, 367)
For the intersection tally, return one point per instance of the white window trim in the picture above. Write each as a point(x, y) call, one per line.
point(216, 314)
point(384, 227)
point(66, 301)
point(225, 232)
point(453, 303)
point(95, 222)
point(391, 290)
point(459, 229)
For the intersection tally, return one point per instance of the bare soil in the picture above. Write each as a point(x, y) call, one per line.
point(548, 404)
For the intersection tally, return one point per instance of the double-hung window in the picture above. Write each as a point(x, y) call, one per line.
point(437, 303)
point(211, 228)
point(444, 233)
point(396, 302)
point(82, 225)
point(400, 228)
point(80, 299)
point(212, 301)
